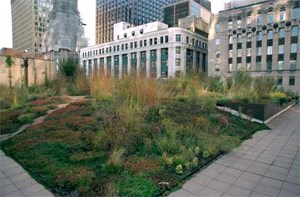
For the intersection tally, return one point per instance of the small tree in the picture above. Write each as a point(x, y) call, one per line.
point(9, 63)
point(68, 68)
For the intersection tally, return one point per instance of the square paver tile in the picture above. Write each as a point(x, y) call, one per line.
point(256, 194)
point(30, 190)
point(7, 189)
point(287, 194)
point(258, 168)
point(271, 182)
point(267, 190)
point(192, 187)
point(292, 188)
point(181, 193)
point(238, 191)
point(15, 194)
point(202, 179)
point(226, 178)
point(233, 172)
point(251, 177)
point(207, 192)
point(218, 185)
point(250, 185)
point(210, 173)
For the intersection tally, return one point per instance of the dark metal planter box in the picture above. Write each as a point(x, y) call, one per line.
point(258, 111)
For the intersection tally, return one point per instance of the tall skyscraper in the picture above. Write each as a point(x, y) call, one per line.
point(181, 9)
point(135, 12)
point(29, 20)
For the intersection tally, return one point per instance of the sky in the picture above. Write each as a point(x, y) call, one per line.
point(87, 9)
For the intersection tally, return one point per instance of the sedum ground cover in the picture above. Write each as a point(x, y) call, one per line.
point(133, 135)
point(12, 119)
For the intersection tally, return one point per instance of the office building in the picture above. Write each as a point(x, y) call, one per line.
point(261, 37)
point(181, 9)
point(29, 20)
point(152, 50)
point(136, 12)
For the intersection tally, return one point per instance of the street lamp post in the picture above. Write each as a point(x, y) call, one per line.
point(25, 59)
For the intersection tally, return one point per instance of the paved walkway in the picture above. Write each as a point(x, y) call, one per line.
point(266, 165)
point(16, 182)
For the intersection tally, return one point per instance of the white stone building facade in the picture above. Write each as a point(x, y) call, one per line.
point(151, 50)
point(260, 37)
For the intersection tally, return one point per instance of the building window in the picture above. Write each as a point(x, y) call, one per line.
point(239, 52)
point(281, 49)
point(282, 16)
point(259, 36)
point(178, 38)
point(249, 50)
point(249, 37)
point(178, 50)
point(230, 24)
point(292, 80)
point(270, 50)
point(259, 20)
point(187, 40)
point(279, 80)
point(293, 64)
point(131, 45)
point(294, 48)
point(281, 32)
point(217, 67)
point(296, 13)
point(166, 39)
point(161, 40)
point(270, 34)
point(269, 65)
point(258, 51)
point(258, 66)
point(178, 62)
point(217, 41)
point(151, 41)
point(270, 18)
point(295, 30)
point(155, 41)
point(280, 65)
point(217, 54)
point(218, 27)
point(239, 38)
point(230, 53)
point(230, 39)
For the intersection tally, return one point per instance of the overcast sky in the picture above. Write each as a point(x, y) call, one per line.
point(87, 10)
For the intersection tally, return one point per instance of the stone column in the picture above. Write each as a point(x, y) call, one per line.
point(105, 66)
point(138, 62)
point(194, 59)
point(171, 61)
point(129, 63)
point(158, 63)
point(148, 63)
point(183, 60)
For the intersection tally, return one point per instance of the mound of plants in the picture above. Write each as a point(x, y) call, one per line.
point(137, 137)
point(13, 118)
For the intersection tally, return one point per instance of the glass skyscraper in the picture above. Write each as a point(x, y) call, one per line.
point(136, 12)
